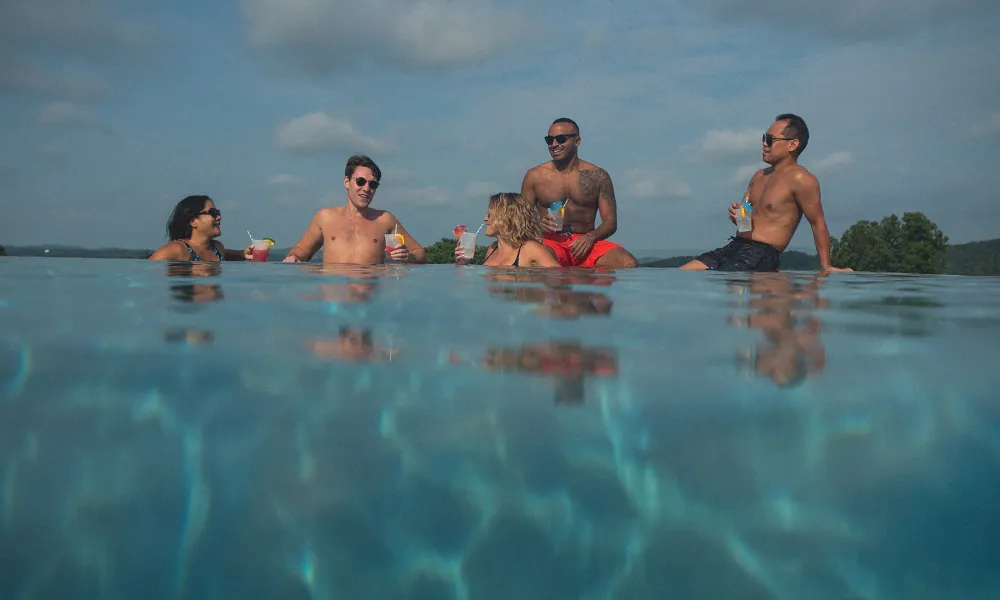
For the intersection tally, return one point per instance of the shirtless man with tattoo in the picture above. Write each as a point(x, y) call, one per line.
point(587, 190)
point(780, 195)
point(355, 233)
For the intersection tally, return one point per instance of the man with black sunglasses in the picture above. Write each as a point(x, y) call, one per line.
point(586, 190)
point(779, 196)
point(356, 233)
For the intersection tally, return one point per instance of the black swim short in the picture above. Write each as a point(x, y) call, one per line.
point(741, 254)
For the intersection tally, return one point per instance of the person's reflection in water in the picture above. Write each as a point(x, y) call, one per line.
point(196, 292)
point(353, 344)
point(351, 292)
point(567, 363)
point(194, 337)
point(194, 269)
point(553, 277)
point(556, 303)
point(791, 350)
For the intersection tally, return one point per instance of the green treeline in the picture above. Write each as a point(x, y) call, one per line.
point(911, 244)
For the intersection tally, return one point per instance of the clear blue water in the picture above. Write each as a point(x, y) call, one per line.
point(213, 433)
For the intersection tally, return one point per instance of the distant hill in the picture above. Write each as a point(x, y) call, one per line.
point(77, 252)
point(276, 255)
point(972, 258)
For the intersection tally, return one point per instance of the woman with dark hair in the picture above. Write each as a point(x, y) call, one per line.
point(514, 222)
point(192, 229)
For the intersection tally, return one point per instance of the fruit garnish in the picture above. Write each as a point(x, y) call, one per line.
point(459, 230)
point(269, 241)
point(402, 241)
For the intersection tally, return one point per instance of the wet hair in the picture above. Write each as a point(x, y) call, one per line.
point(567, 120)
point(179, 223)
point(360, 160)
point(514, 218)
point(796, 128)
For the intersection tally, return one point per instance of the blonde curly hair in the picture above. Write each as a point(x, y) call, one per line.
point(514, 219)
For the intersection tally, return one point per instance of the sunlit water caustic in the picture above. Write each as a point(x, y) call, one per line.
point(433, 432)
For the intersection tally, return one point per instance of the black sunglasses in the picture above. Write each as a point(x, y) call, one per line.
point(559, 138)
point(212, 212)
point(361, 181)
point(769, 139)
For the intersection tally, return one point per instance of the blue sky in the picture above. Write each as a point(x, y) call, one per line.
point(111, 111)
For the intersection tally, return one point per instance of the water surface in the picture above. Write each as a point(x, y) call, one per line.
point(300, 431)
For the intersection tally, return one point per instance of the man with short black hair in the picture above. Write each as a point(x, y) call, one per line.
point(586, 190)
point(355, 232)
point(780, 195)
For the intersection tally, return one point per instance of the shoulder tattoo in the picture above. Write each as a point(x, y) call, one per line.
point(596, 183)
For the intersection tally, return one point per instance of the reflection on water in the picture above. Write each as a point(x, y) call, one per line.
point(196, 292)
point(784, 308)
point(327, 432)
point(189, 336)
point(352, 344)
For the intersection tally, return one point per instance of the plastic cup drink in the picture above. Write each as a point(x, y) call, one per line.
point(391, 243)
point(557, 215)
point(261, 248)
point(744, 223)
point(744, 217)
point(467, 241)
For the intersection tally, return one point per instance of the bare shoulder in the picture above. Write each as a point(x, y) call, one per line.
point(539, 171)
point(591, 173)
point(802, 178)
point(172, 250)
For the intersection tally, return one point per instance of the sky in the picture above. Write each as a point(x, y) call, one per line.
point(112, 111)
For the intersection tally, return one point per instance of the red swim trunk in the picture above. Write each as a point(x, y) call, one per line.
point(560, 243)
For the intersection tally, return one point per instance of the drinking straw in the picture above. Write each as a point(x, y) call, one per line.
point(480, 227)
point(251, 237)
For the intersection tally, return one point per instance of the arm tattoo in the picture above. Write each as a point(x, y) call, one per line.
point(591, 181)
point(596, 184)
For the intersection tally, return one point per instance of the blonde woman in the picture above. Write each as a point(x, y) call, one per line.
point(514, 222)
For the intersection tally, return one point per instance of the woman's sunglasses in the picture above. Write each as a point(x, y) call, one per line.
point(212, 212)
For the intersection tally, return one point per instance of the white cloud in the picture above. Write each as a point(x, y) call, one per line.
point(849, 19)
point(648, 184)
point(285, 180)
point(482, 190)
point(742, 175)
point(319, 133)
point(832, 163)
point(731, 142)
point(328, 35)
point(67, 114)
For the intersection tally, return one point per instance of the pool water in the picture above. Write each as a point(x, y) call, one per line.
point(327, 432)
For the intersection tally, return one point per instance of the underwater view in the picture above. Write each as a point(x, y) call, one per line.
point(268, 430)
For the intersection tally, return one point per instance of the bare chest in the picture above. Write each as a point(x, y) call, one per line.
point(354, 239)
point(582, 188)
point(770, 194)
